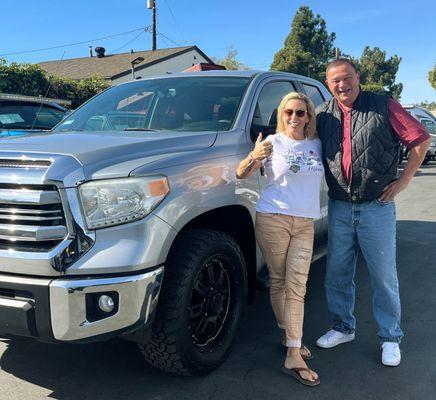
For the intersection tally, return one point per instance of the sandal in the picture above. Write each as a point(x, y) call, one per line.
point(306, 354)
point(296, 373)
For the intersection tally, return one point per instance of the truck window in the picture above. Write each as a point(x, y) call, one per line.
point(313, 93)
point(429, 125)
point(27, 115)
point(265, 113)
point(191, 104)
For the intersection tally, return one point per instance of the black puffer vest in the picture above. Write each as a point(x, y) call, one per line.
point(374, 148)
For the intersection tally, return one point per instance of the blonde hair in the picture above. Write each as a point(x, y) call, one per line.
point(310, 128)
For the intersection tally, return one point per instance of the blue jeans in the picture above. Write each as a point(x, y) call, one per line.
point(371, 227)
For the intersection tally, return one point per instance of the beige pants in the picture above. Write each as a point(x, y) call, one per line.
point(287, 243)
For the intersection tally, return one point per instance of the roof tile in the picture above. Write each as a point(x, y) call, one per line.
point(108, 66)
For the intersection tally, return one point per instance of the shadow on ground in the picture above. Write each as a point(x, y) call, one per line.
point(115, 369)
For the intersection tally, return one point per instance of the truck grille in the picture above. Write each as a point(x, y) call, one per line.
point(24, 163)
point(31, 217)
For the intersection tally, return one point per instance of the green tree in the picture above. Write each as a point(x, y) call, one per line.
point(230, 61)
point(22, 78)
point(32, 80)
point(307, 48)
point(78, 91)
point(373, 87)
point(429, 105)
point(432, 77)
point(376, 69)
point(89, 87)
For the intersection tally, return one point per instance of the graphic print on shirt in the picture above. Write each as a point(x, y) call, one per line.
point(299, 160)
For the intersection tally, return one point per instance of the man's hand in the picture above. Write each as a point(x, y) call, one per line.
point(262, 149)
point(416, 155)
point(391, 190)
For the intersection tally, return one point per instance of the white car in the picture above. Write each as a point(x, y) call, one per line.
point(429, 122)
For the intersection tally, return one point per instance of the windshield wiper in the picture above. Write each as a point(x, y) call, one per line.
point(141, 129)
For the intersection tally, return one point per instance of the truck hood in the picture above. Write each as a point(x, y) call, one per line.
point(103, 151)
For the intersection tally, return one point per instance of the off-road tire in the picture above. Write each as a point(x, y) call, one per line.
point(180, 342)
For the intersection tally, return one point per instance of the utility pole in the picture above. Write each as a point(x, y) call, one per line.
point(151, 5)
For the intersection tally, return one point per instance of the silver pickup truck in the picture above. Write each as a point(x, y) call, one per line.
point(128, 220)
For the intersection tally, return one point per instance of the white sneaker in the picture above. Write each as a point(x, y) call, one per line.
point(391, 355)
point(332, 338)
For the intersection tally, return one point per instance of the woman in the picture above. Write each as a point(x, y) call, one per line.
point(285, 215)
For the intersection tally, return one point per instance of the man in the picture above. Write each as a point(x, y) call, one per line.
point(361, 134)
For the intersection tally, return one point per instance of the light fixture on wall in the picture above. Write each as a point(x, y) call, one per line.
point(134, 62)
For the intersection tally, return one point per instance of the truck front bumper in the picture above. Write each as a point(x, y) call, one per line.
point(68, 309)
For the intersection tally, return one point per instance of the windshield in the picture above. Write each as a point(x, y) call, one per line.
point(179, 104)
point(26, 115)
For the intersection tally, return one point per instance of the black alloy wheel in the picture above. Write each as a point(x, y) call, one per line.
point(212, 299)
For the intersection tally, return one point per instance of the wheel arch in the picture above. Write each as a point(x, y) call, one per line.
point(236, 221)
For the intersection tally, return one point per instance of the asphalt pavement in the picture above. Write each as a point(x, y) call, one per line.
point(353, 371)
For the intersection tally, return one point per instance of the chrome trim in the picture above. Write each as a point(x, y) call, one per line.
point(15, 217)
point(24, 281)
point(12, 303)
point(29, 233)
point(29, 262)
point(51, 261)
point(137, 299)
point(14, 176)
point(72, 220)
point(63, 171)
point(27, 211)
point(25, 196)
point(24, 163)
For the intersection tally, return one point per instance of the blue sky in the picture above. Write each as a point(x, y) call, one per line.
point(256, 28)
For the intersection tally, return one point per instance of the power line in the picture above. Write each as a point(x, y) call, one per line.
point(130, 41)
point(165, 42)
point(147, 28)
point(174, 18)
point(166, 37)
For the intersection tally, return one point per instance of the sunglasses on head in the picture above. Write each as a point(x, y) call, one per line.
point(299, 113)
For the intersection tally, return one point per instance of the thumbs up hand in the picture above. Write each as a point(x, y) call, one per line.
point(262, 148)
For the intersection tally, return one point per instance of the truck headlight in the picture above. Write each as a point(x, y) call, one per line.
point(118, 201)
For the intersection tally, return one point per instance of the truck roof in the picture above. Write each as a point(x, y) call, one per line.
point(418, 111)
point(233, 73)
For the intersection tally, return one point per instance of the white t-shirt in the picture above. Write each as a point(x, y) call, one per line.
point(294, 173)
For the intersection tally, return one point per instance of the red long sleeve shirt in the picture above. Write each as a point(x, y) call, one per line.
point(409, 131)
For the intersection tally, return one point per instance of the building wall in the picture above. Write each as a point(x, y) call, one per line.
point(174, 64)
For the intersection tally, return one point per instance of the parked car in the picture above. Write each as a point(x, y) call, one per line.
point(21, 115)
point(128, 220)
point(429, 122)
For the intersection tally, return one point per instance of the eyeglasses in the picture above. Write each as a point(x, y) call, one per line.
point(298, 113)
